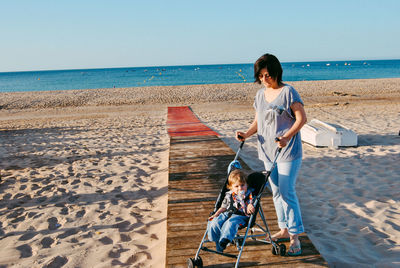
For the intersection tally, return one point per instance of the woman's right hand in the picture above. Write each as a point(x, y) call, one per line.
point(240, 136)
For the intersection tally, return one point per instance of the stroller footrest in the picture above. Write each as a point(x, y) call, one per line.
point(219, 253)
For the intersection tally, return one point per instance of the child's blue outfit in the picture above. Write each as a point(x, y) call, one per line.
point(222, 229)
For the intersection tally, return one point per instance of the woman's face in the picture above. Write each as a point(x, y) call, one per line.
point(265, 79)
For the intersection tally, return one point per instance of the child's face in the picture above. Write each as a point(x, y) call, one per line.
point(239, 186)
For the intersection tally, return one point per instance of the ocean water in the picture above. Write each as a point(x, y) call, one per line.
point(193, 74)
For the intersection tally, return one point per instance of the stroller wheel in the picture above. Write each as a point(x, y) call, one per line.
point(199, 262)
point(278, 249)
point(195, 262)
point(274, 249)
point(191, 263)
point(282, 249)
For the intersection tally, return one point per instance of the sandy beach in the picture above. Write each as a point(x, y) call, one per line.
point(84, 173)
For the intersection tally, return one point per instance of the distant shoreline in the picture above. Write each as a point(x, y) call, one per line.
point(312, 92)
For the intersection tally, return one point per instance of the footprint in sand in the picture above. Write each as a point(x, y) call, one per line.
point(120, 196)
point(32, 173)
point(80, 213)
point(153, 167)
point(123, 226)
point(53, 223)
point(58, 261)
point(154, 236)
point(25, 251)
point(60, 204)
point(142, 173)
point(27, 236)
point(64, 211)
point(102, 205)
point(106, 240)
point(138, 257)
point(34, 215)
point(62, 190)
point(122, 164)
point(18, 195)
point(68, 233)
point(18, 219)
point(115, 253)
point(41, 199)
point(87, 235)
point(47, 242)
point(23, 187)
point(16, 213)
point(125, 238)
point(103, 177)
point(73, 198)
point(104, 215)
point(37, 180)
point(34, 187)
point(117, 189)
point(75, 182)
point(142, 247)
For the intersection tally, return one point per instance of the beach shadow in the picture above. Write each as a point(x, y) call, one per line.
point(375, 139)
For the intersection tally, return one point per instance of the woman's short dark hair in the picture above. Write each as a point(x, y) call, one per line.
point(273, 66)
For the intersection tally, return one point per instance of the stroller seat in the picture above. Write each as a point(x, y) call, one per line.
point(255, 180)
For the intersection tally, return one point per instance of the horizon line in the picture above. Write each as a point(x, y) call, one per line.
point(153, 66)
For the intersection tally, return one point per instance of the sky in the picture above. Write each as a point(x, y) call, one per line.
point(79, 34)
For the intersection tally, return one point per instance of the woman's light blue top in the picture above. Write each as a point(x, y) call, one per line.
point(274, 119)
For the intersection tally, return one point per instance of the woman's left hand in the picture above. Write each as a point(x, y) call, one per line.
point(282, 142)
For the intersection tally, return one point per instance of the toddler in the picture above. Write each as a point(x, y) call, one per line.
point(234, 212)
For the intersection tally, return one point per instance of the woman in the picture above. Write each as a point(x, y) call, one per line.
point(279, 113)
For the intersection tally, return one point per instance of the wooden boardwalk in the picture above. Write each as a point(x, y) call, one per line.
point(197, 170)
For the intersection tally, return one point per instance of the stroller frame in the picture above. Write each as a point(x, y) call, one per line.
point(240, 240)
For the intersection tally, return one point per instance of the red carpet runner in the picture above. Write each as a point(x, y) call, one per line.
point(182, 121)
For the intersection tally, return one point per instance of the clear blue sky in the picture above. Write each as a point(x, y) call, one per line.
point(73, 34)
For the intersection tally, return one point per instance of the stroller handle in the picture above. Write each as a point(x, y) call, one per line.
point(279, 149)
point(241, 145)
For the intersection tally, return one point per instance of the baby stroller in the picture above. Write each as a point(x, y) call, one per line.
point(257, 181)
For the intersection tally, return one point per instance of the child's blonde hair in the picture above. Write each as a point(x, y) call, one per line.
point(236, 176)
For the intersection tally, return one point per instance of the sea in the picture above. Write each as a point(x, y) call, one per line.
point(190, 75)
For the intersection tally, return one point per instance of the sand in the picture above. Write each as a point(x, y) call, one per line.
point(84, 173)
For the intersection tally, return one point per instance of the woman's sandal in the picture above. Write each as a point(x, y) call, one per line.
point(294, 250)
point(276, 238)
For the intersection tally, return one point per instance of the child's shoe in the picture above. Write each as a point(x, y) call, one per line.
point(223, 243)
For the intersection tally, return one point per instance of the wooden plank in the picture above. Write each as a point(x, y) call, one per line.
point(197, 170)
